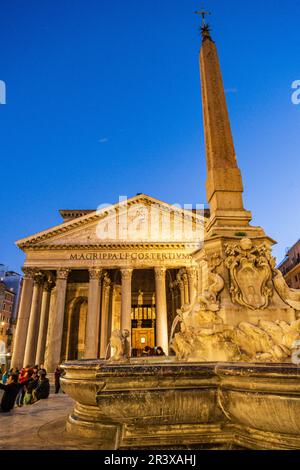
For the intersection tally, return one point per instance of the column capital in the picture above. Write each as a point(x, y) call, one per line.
point(160, 272)
point(185, 278)
point(182, 276)
point(39, 278)
point(49, 284)
point(62, 274)
point(191, 272)
point(29, 273)
point(95, 273)
point(126, 273)
point(106, 284)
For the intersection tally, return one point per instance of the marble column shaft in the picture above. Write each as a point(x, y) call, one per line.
point(41, 344)
point(19, 340)
point(34, 320)
point(162, 338)
point(173, 300)
point(192, 278)
point(181, 290)
point(126, 301)
point(186, 289)
point(55, 331)
point(104, 317)
point(93, 316)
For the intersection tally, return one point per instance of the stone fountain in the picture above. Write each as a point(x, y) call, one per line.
point(234, 381)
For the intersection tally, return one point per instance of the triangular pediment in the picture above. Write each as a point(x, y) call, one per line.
point(137, 220)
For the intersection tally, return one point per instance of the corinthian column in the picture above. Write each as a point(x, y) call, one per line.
point(104, 316)
point(41, 344)
point(186, 288)
point(192, 277)
point(126, 301)
point(34, 319)
point(19, 340)
point(181, 289)
point(93, 316)
point(55, 331)
point(172, 290)
point(162, 338)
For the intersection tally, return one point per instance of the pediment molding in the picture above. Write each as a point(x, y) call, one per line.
point(42, 240)
point(115, 246)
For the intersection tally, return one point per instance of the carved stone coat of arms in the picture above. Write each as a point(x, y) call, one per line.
point(251, 274)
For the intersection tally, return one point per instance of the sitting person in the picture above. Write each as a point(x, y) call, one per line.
point(146, 351)
point(30, 385)
point(5, 377)
point(11, 389)
point(23, 377)
point(159, 351)
point(43, 387)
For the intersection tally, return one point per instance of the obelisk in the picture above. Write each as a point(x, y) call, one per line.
point(224, 187)
point(234, 250)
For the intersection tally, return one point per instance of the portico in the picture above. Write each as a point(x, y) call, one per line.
point(76, 292)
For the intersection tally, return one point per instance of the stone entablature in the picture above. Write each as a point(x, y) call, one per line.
point(138, 257)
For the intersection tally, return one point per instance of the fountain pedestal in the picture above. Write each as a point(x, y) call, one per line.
point(179, 405)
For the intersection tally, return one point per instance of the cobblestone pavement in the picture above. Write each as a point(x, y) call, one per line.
point(41, 426)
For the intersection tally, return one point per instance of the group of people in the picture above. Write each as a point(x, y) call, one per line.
point(158, 351)
point(26, 386)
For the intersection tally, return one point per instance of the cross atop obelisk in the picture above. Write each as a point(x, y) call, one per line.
point(205, 29)
point(203, 13)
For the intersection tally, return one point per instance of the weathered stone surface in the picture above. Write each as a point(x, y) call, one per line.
point(144, 404)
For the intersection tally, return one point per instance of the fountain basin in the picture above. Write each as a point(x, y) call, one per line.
point(155, 404)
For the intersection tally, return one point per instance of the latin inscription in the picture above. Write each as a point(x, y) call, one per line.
point(128, 256)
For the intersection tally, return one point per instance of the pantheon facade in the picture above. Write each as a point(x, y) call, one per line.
point(126, 266)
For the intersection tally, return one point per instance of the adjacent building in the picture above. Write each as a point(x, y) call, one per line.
point(290, 266)
point(7, 298)
point(13, 282)
point(10, 289)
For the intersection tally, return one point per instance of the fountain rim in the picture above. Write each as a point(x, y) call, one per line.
point(216, 368)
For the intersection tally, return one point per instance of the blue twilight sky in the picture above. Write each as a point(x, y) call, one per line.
point(103, 99)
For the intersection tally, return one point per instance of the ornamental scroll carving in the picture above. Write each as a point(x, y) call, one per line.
point(199, 321)
point(49, 283)
point(95, 274)
point(39, 278)
point(288, 295)
point(29, 273)
point(63, 274)
point(205, 337)
point(251, 272)
point(126, 274)
point(160, 273)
